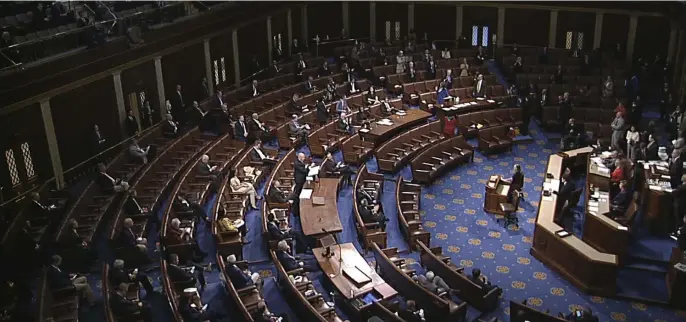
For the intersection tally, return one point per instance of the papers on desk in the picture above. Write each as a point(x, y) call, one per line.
point(552, 185)
point(386, 122)
point(238, 223)
point(661, 168)
point(666, 177)
point(364, 130)
point(593, 203)
point(655, 188)
point(606, 154)
point(480, 98)
point(595, 195)
point(491, 101)
point(401, 113)
point(306, 194)
point(313, 171)
point(593, 209)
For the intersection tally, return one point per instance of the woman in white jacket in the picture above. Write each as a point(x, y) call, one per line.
point(632, 138)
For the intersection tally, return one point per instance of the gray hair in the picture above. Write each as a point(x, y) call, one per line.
point(118, 263)
point(176, 222)
point(282, 245)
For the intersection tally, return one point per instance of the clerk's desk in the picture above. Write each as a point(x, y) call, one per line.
point(587, 268)
point(601, 231)
point(656, 194)
point(497, 190)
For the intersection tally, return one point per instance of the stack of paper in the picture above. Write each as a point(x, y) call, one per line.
point(306, 194)
point(491, 101)
point(313, 171)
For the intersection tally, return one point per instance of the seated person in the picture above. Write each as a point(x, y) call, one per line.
point(196, 114)
point(183, 276)
point(244, 188)
point(258, 130)
point(370, 96)
point(78, 247)
point(353, 88)
point(363, 117)
point(227, 224)
point(129, 240)
point(258, 155)
point(481, 280)
point(362, 193)
point(586, 315)
point(107, 183)
point(241, 278)
point(262, 314)
point(517, 66)
point(179, 236)
point(125, 309)
point(296, 129)
point(241, 129)
point(295, 106)
point(289, 262)
point(138, 153)
point(322, 111)
point(170, 128)
point(410, 313)
point(573, 135)
point(255, 88)
point(621, 200)
point(192, 309)
point(58, 279)
point(309, 85)
point(343, 123)
point(276, 233)
point(278, 195)
point(432, 283)
point(387, 109)
point(119, 274)
point(133, 207)
point(332, 168)
point(204, 167)
point(342, 106)
point(372, 213)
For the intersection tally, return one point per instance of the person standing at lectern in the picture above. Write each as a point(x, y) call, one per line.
point(517, 181)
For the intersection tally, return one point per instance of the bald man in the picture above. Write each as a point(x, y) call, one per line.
point(301, 171)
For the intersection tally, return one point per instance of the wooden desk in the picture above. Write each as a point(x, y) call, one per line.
point(314, 218)
point(481, 105)
point(657, 205)
point(591, 270)
point(380, 133)
point(601, 231)
point(351, 259)
point(496, 193)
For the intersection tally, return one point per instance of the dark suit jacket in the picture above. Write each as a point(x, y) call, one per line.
point(517, 180)
point(676, 170)
point(566, 191)
point(133, 206)
point(105, 183)
point(174, 236)
point(203, 169)
point(58, 279)
point(343, 126)
point(412, 75)
point(254, 156)
point(127, 238)
point(123, 307)
point(287, 261)
point(309, 87)
point(216, 103)
point(237, 276)
point(191, 314)
point(36, 211)
point(178, 274)
point(651, 151)
point(254, 131)
point(277, 195)
point(118, 276)
point(622, 199)
point(240, 129)
point(275, 233)
point(366, 214)
point(480, 92)
point(169, 130)
point(131, 125)
point(323, 72)
point(300, 172)
point(322, 112)
point(72, 239)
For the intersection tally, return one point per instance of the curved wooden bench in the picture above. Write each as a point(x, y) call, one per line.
point(433, 162)
point(356, 150)
point(496, 138)
point(171, 290)
point(227, 242)
point(434, 260)
point(523, 313)
point(408, 198)
point(470, 124)
point(367, 233)
point(107, 289)
point(311, 308)
point(403, 283)
point(395, 153)
point(61, 305)
point(283, 171)
point(90, 208)
point(387, 312)
point(245, 300)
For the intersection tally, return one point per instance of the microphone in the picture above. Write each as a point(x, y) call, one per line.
point(327, 252)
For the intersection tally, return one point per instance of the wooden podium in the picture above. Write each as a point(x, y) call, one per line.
point(497, 190)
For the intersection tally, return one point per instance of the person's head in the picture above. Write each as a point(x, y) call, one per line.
point(623, 184)
point(517, 168)
point(651, 138)
point(205, 158)
point(449, 72)
point(255, 116)
point(480, 77)
point(73, 224)
point(565, 95)
point(571, 121)
point(476, 272)
point(277, 184)
point(176, 223)
point(101, 167)
point(174, 259)
point(258, 144)
point(559, 67)
point(56, 260)
point(123, 288)
point(343, 116)
point(411, 305)
point(430, 275)
point(118, 263)
point(633, 128)
point(567, 173)
point(254, 83)
point(363, 201)
point(411, 64)
point(231, 259)
point(301, 156)
point(271, 217)
point(283, 246)
point(134, 141)
point(96, 127)
point(129, 112)
point(178, 88)
point(294, 117)
point(401, 53)
point(241, 118)
point(128, 223)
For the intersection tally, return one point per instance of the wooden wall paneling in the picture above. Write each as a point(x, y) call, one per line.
point(221, 47)
point(479, 16)
point(75, 112)
point(280, 26)
point(252, 42)
point(324, 18)
point(391, 11)
point(437, 20)
point(141, 78)
point(359, 19)
point(615, 31)
point(14, 131)
point(185, 67)
point(527, 27)
point(652, 37)
point(296, 16)
point(575, 22)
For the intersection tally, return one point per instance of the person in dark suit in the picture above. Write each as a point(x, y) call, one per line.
point(257, 154)
point(371, 213)
point(217, 100)
point(38, 210)
point(621, 200)
point(567, 187)
point(289, 262)
point(309, 85)
point(479, 87)
point(97, 140)
point(543, 58)
point(565, 110)
point(652, 149)
point(178, 104)
point(129, 241)
point(480, 55)
point(131, 124)
point(258, 130)
point(178, 236)
point(58, 279)
point(107, 183)
point(301, 170)
point(133, 207)
point(254, 90)
point(204, 168)
point(517, 181)
point(300, 67)
point(79, 248)
point(125, 309)
point(343, 123)
point(676, 169)
point(410, 312)
point(277, 194)
point(559, 75)
point(332, 168)
point(196, 114)
point(241, 278)
point(170, 128)
point(276, 233)
point(241, 130)
point(322, 112)
point(324, 70)
point(386, 108)
point(431, 67)
point(183, 276)
point(119, 274)
point(678, 207)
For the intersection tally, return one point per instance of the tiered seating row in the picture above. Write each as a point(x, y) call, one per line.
point(408, 200)
point(372, 232)
point(470, 124)
point(397, 152)
point(439, 158)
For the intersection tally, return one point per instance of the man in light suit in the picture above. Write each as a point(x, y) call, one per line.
point(296, 129)
point(241, 130)
point(255, 90)
point(137, 152)
point(480, 87)
point(301, 170)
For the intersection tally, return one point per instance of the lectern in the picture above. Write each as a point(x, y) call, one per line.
point(497, 190)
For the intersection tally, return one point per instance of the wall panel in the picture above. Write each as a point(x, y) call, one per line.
point(393, 12)
point(142, 78)
point(359, 19)
point(185, 67)
point(575, 22)
point(296, 24)
point(252, 42)
point(527, 27)
point(615, 31)
point(324, 18)
point(652, 37)
point(221, 46)
point(437, 20)
point(280, 26)
point(479, 16)
point(74, 114)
